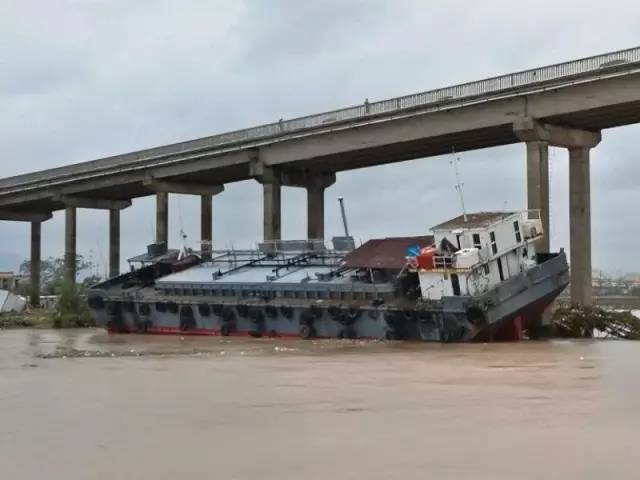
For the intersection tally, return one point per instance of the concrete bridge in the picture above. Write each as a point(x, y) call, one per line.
point(564, 105)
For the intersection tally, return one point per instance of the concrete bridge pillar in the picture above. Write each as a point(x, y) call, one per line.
point(35, 219)
point(36, 257)
point(580, 225)
point(114, 243)
point(315, 204)
point(272, 180)
point(70, 229)
point(162, 218)
point(272, 211)
point(72, 203)
point(163, 188)
point(579, 143)
point(315, 212)
point(538, 187)
point(206, 225)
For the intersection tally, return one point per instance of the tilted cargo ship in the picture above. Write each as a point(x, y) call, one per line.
point(478, 277)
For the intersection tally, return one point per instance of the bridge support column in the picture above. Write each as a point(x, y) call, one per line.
point(272, 180)
point(579, 143)
point(272, 224)
point(162, 218)
point(36, 258)
point(315, 213)
point(206, 225)
point(114, 243)
point(70, 245)
point(315, 204)
point(580, 226)
point(538, 187)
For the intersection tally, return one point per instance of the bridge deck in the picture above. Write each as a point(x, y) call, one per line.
point(223, 158)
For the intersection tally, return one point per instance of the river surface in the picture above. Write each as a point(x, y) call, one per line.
point(82, 404)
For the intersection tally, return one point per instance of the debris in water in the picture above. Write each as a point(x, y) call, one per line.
point(577, 321)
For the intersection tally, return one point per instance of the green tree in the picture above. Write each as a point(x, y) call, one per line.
point(72, 310)
point(52, 272)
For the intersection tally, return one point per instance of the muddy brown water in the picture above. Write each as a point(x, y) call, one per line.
point(82, 404)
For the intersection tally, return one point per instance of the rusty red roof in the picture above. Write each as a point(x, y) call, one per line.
point(385, 253)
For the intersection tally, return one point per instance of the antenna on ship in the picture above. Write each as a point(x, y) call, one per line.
point(183, 247)
point(455, 161)
point(344, 217)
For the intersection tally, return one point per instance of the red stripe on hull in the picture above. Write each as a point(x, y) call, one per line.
point(203, 332)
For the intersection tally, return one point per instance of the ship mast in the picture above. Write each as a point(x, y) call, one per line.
point(459, 184)
point(344, 217)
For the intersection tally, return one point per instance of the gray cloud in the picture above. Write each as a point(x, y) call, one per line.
point(86, 79)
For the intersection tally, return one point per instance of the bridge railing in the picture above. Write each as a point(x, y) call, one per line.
point(567, 71)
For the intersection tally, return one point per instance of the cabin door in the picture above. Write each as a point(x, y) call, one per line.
point(500, 271)
point(455, 284)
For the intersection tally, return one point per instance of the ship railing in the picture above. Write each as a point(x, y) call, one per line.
point(275, 246)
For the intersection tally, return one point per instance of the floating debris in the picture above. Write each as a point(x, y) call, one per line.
point(582, 322)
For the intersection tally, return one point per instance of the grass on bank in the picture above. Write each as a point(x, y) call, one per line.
point(71, 312)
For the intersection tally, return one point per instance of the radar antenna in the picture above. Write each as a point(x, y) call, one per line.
point(455, 161)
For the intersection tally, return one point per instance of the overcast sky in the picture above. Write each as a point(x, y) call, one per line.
point(83, 79)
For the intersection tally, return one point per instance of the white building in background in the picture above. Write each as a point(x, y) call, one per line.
point(10, 302)
point(12, 281)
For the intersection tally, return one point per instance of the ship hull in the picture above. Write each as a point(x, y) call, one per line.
point(452, 319)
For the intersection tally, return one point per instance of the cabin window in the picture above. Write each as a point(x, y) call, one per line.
point(494, 245)
point(516, 228)
point(476, 241)
point(486, 269)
